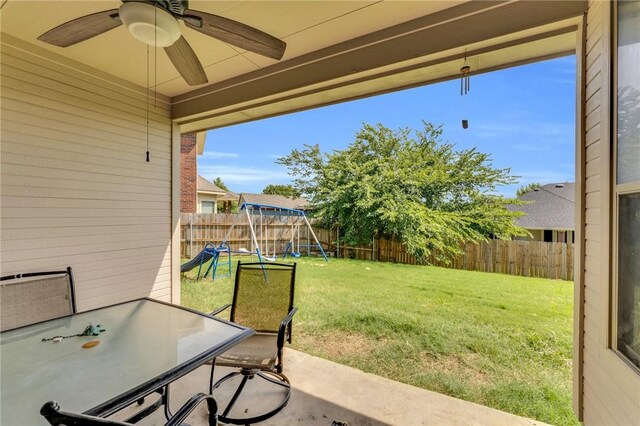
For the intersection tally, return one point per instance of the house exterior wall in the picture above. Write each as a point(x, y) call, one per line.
point(76, 189)
point(207, 197)
point(188, 173)
point(607, 390)
point(538, 235)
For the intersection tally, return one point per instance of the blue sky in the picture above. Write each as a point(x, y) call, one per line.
point(524, 117)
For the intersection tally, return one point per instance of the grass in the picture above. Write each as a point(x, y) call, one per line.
point(493, 339)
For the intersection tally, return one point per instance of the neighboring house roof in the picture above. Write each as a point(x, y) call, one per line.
point(229, 196)
point(551, 206)
point(275, 200)
point(208, 187)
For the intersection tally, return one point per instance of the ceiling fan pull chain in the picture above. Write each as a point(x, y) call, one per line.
point(155, 61)
point(147, 102)
point(155, 73)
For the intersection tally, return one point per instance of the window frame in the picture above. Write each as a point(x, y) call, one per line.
point(213, 206)
point(617, 191)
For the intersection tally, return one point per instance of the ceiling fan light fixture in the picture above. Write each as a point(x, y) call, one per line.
point(149, 24)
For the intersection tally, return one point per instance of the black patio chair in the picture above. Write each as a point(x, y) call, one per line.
point(263, 300)
point(52, 413)
point(34, 297)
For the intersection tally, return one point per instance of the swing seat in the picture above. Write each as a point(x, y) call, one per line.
point(296, 254)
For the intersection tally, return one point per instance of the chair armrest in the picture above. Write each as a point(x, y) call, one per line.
point(179, 417)
point(220, 309)
point(283, 326)
point(51, 412)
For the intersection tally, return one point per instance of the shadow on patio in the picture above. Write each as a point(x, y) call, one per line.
point(324, 391)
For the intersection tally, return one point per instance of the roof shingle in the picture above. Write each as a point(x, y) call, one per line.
point(551, 206)
point(206, 186)
point(275, 200)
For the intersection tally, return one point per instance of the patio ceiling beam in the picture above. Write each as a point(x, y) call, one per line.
point(456, 27)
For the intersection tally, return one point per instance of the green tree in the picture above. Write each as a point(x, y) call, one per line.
point(527, 188)
point(220, 184)
point(289, 191)
point(408, 185)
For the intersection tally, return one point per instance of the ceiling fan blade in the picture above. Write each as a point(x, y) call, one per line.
point(81, 29)
point(186, 62)
point(237, 34)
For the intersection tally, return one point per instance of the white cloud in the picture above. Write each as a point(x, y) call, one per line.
point(559, 80)
point(535, 176)
point(537, 147)
point(544, 176)
point(217, 155)
point(238, 174)
point(558, 133)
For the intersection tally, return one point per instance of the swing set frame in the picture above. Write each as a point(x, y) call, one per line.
point(255, 214)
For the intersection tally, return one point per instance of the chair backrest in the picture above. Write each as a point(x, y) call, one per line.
point(263, 295)
point(35, 297)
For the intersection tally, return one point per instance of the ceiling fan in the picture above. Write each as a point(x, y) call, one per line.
point(155, 22)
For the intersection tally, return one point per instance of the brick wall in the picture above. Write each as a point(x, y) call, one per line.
point(188, 173)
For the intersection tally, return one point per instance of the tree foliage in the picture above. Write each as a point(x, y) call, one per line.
point(527, 188)
point(220, 184)
point(409, 185)
point(289, 191)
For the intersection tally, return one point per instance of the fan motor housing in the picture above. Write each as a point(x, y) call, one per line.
point(175, 6)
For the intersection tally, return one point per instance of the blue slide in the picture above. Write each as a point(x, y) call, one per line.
point(197, 260)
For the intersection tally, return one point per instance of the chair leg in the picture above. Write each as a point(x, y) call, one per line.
point(213, 412)
point(163, 400)
point(284, 381)
point(280, 363)
point(167, 409)
point(248, 374)
point(235, 396)
point(213, 366)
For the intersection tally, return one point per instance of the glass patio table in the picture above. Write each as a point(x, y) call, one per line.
point(146, 344)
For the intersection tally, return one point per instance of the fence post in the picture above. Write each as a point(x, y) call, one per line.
point(564, 261)
point(373, 248)
point(191, 236)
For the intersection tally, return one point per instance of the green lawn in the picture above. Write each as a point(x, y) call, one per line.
point(497, 340)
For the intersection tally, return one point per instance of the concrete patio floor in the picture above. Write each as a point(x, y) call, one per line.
point(324, 391)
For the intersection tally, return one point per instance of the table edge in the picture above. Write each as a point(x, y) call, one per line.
point(129, 397)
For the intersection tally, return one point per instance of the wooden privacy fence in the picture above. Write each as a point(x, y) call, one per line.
point(273, 233)
point(524, 258)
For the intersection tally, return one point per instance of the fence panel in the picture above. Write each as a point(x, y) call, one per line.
point(523, 258)
point(273, 233)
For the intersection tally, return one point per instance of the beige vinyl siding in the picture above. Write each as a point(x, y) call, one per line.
point(75, 188)
point(611, 389)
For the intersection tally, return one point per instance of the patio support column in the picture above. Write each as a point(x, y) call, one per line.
point(578, 265)
point(175, 213)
